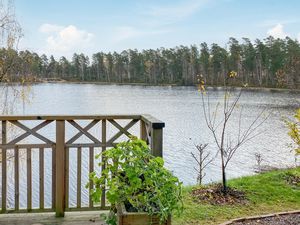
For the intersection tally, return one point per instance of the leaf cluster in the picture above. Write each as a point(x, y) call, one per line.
point(133, 176)
point(294, 131)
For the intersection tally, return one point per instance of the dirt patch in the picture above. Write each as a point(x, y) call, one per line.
point(214, 195)
point(293, 180)
point(288, 219)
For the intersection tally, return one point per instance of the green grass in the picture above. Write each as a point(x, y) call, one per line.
point(267, 193)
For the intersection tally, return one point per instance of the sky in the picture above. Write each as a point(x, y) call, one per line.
point(62, 27)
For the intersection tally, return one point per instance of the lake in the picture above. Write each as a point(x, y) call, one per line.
point(182, 111)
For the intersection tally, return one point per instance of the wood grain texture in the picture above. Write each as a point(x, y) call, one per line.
point(4, 167)
point(29, 179)
point(60, 169)
point(150, 131)
point(79, 177)
point(41, 176)
point(17, 186)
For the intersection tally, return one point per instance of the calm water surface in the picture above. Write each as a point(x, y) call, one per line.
point(181, 109)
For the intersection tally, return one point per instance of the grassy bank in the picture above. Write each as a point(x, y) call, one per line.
point(266, 193)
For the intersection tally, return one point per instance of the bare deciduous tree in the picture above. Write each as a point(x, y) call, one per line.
point(10, 34)
point(258, 158)
point(203, 159)
point(226, 142)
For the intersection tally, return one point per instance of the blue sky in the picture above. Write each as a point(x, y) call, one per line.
point(62, 27)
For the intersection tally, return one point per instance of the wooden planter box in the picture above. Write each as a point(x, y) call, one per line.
point(137, 218)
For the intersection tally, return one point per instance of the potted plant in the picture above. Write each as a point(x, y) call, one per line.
point(138, 186)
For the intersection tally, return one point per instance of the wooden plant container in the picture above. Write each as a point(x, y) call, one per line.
point(137, 218)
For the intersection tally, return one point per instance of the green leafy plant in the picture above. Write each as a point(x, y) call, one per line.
point(294, 131)
point(134, 177)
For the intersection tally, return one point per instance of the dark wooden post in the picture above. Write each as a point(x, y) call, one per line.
point(103, 166)
point(4, 164)
point(157, 139)
point(143, 130)
point(156, 133)
point(60, 169)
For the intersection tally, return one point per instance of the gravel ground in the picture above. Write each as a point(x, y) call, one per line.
point(291, 219)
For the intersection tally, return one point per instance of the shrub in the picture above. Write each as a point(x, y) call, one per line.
point(294, 131)
point(138, 179)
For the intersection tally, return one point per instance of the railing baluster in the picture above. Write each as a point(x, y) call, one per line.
point(29, 180)
point(4, 165)
point(79, 177)
point(67, 176)
point(17, 187)
point(91, 169)
point(103, 166)
point(53, 177)
point(41, 174)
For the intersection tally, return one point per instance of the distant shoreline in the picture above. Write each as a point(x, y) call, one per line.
point(268, 89)
point(170, 85)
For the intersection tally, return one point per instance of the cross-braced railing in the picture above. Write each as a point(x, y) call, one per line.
point(47, 142)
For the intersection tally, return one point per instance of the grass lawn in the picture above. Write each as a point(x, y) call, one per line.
point(266, 193)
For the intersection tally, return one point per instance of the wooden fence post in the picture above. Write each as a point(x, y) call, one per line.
point(60, 169)
point(157, 139)
point(143, 131)
point(156, 133)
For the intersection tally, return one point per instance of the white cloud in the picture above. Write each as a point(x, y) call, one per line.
point(65, 40)
point(277, 31)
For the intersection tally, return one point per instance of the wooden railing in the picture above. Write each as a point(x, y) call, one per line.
point(56, 134)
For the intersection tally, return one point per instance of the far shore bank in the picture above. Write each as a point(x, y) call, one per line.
point(250, 88)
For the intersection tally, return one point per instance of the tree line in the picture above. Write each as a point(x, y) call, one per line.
point(263, 63)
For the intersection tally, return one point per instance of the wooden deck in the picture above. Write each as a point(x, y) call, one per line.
point(71, 218)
